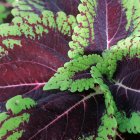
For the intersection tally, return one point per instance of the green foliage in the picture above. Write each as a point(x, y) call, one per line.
point(3, 116)
point(4, 12)
point(108, 67)
point(24, 8)
point(132, 7)
point(10, 43)
point(33, 26)
point(129, 124)
point(83, 35)
point(16, 108)
point(108, 125)
point(64, 78)
point(9, 126)
point(107, 129)
point(84, 32)
point(18, 104)
point(129, 47)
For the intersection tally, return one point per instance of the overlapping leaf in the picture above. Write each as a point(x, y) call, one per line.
point(32, 48)
point(35, 45)
point(129, 124)
point(98, 29)
point(68, 6)
point(56, 116)
point(75, 75)
point(26, 7)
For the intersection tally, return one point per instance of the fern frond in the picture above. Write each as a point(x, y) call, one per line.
point(63, 79)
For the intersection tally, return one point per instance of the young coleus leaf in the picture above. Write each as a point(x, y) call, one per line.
point(56, 116)
point(98, 29)
point(69, 76)
point(108, 127)
point(129, 47)
point(32, 48)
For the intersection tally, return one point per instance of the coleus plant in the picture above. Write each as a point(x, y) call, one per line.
point(70, 70)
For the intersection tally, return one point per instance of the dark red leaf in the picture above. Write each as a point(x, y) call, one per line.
point(81, 75)
point(126, 90)
point(68, 6)
point(30, 66)
point(109, 26)
point(28, 6)
point(60, 115)
point(127, 136)
point(64, 116)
